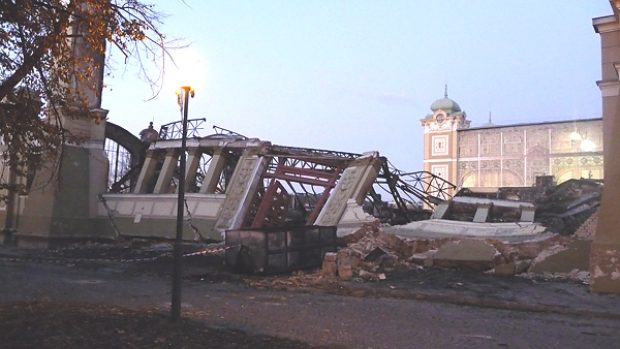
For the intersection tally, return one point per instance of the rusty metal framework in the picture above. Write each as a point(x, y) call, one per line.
point(305, 177)
point(327, 157)
point(309, 176)
point(174, 130)
point(297, 182)
point(409, 190)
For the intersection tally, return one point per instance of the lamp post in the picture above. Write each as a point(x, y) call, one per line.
point(175, 305)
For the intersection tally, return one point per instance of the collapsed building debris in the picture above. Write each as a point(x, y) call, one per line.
point(374, 250)
point(551, 235)
point(476, 217)
point(246, 186)
point(236, 182)
point(565, 207)
point(559, 208)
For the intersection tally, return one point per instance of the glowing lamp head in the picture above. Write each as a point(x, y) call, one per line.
point(181, 92)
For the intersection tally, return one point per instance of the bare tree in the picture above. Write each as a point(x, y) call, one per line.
point(43, 74)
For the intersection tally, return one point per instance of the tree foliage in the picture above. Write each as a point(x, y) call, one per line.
point(43, 75)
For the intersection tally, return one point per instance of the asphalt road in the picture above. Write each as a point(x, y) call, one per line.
point(311, 316)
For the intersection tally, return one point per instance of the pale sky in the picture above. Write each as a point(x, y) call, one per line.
point(359, 75)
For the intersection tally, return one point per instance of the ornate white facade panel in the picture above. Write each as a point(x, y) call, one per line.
point(537, 141)
point(440, 170)
point(490, 143)
point(512, 142)
point(440, 145)
point(567, 167)
point(536, 166)
point(468, 145)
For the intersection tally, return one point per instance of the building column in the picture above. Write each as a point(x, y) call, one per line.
point(63, 202)
point(191, 167)
point(147, 172)
point(167, 171)
point(212, 177)
point(605, 251)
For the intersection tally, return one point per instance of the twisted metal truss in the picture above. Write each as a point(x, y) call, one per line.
point(174, 130)
point(327, 157)
point(223, 131)
point(409, 189)
point(433, 188)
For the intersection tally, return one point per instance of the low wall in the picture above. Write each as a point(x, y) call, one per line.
point(154, 215)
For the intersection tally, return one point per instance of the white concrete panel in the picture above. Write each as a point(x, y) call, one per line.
point(125, 207)
point(354, 213)
point(208, 209)
point(143, 207)
point(191, 204)
point(164, 208)
point(438, 228)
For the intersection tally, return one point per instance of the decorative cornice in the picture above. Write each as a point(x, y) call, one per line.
point(606, 24)
point(448, 160)
point(609, 88)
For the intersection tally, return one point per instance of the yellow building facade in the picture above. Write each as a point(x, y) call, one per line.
point(605, 252)
point(488, 157)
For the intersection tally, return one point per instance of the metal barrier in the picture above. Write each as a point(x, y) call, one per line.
point(276, 250)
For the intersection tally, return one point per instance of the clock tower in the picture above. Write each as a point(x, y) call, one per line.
point(440, 137)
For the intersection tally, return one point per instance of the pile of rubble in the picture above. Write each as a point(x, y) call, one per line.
point(564, 208)
point(371, 253)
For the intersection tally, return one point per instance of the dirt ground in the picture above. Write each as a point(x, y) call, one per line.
point(83, 325)
point(86, 325)
point(117, 295)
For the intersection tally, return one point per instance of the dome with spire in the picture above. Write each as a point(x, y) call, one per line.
point(445, 104)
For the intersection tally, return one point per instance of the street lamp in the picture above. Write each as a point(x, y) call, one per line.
point(175, 305)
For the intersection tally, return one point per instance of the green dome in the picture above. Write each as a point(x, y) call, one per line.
point(445, 104)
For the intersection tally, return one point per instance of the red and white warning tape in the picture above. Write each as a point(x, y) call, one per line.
point(122, 260)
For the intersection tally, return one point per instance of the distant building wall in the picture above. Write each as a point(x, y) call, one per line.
point(489, 157)
point(514, 155)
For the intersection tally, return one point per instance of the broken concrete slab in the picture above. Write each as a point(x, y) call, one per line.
point(467, 254)
point(424, 259)
point(395, 244)
point(505, 269)
point(563, 258)
point(512, 268)
point(442, 228)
